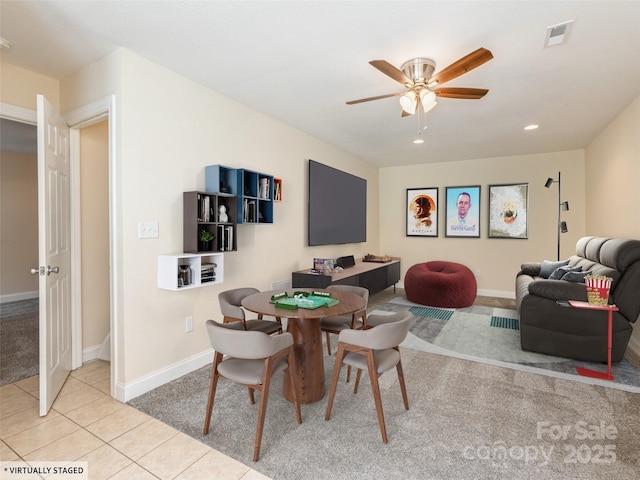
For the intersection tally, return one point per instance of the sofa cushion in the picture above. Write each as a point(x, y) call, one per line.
point(548, 267)
point(575, 276)
point(560, 272)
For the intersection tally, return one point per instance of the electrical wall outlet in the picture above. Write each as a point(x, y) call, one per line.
point(188, 324)
point(147, 229)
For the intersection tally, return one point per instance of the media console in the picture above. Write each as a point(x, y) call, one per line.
point(374, 276)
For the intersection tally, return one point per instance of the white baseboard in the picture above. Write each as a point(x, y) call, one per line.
point(484, 293)
point(127, 392)
point(90, 354)
point(497, 293)
point(15, 297)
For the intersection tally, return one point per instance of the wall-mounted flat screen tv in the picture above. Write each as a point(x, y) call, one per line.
point(337, 206)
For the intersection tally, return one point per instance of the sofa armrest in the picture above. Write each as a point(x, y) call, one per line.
point(532, 268)
point(558, 290)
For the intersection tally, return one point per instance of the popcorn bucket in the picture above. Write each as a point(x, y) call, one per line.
point(598, 289)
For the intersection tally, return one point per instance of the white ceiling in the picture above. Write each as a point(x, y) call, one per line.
point(300, 61)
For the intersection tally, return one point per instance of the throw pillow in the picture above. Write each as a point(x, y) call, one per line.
point(548, 267)
point(575, 276)
point(560, 272)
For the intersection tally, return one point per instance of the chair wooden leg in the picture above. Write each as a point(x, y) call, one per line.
point(375, 387)
point(251, 398)
point(212, 392)
point(403, 389)
point(328, 343)
point(264, 396)
point(334, 381)
point(358, 375)
point(292, 375)
point(348, 373)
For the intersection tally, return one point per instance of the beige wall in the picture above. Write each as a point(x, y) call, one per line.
point(94, 193)
point(168, 129)
point(498, 260)
point(613, 176)
point(19, 87)
point(18, 225)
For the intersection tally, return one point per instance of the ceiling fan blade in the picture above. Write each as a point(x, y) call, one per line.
point(468, 93)
point(406, 114)
point(464, 65)
point(391, 71)
point(368, 99)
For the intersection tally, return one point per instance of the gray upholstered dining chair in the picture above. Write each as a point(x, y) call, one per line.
point(356, 320)
point(251, 359)
point(234, 314)
point(377, 350)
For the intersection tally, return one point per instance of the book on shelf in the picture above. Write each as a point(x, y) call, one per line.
point(263, 191)
point(208, 272)
point(204, 208)
point(225, 238)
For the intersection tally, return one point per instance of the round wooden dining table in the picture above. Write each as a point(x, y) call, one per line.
point(304, 326)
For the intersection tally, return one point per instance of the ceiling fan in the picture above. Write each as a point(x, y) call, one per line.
point(422, 86)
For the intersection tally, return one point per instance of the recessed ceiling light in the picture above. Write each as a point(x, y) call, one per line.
point(4, 43)
point(533, 126)
point(418, 140)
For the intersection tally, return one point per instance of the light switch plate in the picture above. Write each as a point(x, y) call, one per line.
point(147, 229)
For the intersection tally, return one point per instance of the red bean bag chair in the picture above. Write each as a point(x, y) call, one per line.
point(440, 284)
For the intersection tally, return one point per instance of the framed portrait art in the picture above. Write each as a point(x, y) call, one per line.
point(508, 206)
point(422, 212)
point(463, 211)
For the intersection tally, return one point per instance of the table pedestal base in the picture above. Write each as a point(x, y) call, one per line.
point(586, 372)
point(307, 344)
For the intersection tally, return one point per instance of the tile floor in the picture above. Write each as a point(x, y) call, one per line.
point(117, 441)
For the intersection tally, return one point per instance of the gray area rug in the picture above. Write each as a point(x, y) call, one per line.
point(19, 347)
point(492, 335)
point(467, 420)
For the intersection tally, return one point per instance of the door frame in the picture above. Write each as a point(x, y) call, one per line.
point(103, 109)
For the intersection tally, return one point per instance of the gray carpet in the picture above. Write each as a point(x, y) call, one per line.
point(467, 420)
point(18, 340)
point(492, 335)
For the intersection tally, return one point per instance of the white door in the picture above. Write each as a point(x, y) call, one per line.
point(54, 252)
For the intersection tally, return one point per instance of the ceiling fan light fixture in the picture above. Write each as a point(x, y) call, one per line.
point(427, 99)
point(409, 102)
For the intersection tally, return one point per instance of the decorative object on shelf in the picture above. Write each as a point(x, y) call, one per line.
point(206, 240)
point(422, 212)
point(376, 259)
point(184, 275)
point(463, 211)
point(323, 266)
point(222, 216)
point(562, 226)
point(508, 205)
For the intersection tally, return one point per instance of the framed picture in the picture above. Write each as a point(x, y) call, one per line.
point(463, 212)
point(508, 206)
point(422, 212)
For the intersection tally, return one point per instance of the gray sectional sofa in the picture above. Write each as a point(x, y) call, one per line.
point(546, 326)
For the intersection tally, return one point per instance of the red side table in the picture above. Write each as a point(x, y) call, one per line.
point(607, 308)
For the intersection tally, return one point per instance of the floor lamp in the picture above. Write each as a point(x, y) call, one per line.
point(562, 206)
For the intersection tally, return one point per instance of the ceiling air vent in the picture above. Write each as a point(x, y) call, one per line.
point(557, 34)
